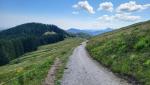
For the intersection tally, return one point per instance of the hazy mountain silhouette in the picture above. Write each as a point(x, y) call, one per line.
point(90, 32)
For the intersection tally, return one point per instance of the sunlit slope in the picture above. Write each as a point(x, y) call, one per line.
point(125, 51)
point(32, 68)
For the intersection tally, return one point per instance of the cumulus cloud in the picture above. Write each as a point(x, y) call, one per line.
point(108, 6)
point(84, 5)
point(131, 6)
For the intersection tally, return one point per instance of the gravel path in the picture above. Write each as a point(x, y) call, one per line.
point(82, 70)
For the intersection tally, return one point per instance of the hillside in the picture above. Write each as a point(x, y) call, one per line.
point(125, 51)
point(27, 37)
point(32, 67)
point(89, 32)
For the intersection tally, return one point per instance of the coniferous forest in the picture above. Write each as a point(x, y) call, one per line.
point(27, 37)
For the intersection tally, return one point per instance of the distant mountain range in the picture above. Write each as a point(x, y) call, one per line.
point(90, 32)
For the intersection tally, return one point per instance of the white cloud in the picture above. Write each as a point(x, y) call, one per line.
point(131, 6)
point(108, 6)
point(146, 6)
point(127, 17)
point(106, 18)
point(75, 12)
point(84, 5)
point(120, 17)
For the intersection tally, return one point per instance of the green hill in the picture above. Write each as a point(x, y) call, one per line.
point(27, 37)
point(32, 67)
point(125, 51)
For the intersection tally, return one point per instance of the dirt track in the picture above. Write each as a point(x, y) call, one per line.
point(82, 70)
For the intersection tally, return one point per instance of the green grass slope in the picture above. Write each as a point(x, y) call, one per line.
point(32, 68)
point(125, 51)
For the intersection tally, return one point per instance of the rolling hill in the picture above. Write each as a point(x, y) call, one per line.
point(32, 67)
point(27, 37)
point(125, 51)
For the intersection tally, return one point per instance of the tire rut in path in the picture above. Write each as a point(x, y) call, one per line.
point(50, 79)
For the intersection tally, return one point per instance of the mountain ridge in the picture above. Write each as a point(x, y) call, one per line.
point(90, 32)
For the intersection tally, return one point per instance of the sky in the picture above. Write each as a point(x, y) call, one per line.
point(81, 14)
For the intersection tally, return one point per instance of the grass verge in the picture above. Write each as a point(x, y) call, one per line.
point(125, 51)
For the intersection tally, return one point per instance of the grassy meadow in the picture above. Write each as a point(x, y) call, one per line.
point(125, 51)
point(32, 68)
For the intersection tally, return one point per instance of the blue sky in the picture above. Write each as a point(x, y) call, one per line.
point(82, 14)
